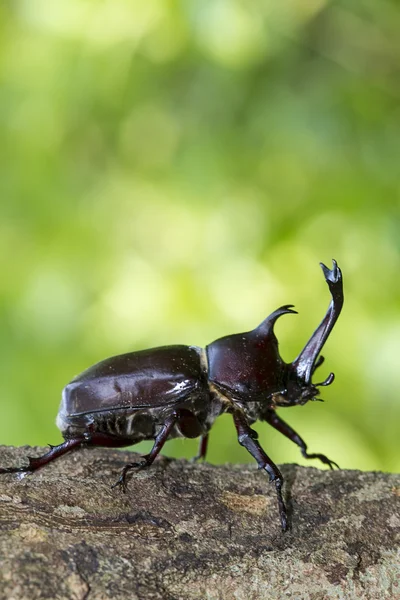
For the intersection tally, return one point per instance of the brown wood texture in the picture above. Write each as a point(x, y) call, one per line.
point(187, 531)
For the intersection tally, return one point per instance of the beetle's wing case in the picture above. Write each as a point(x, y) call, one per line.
point(147, 379)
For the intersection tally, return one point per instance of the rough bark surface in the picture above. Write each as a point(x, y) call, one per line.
point(186, 531)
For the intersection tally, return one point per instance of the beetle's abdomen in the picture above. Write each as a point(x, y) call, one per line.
point(135, 425)
point(138, 381)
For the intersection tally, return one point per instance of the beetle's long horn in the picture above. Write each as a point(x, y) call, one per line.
point(303, 365)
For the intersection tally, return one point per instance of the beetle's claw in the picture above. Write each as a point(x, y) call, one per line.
point(196, 458)
point(324, 459)
point(332, 464)
point(28, 470)
point(121, 481)
point(327, 461)
point(22, 470)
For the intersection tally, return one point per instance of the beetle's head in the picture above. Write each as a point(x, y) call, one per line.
point(299, 388)
point(298, 391)
point(248, 366)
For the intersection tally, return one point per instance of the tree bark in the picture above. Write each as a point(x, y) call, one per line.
point(194, 531)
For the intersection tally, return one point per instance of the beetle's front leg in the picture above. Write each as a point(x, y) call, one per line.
point(248, 438)
point(272, 418)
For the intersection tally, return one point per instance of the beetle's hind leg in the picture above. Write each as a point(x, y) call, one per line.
point(280, 425)
point(40, 461)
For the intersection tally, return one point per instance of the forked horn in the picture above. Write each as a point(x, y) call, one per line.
point(304, 364)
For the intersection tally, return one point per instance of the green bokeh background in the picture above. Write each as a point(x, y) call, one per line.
point(172, 172)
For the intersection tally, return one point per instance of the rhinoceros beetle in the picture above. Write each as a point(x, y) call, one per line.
point(178, 390)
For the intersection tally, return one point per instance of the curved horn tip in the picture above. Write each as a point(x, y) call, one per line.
point(282, 310)
point(270, 320)
point(333, 275)
point(288, 309)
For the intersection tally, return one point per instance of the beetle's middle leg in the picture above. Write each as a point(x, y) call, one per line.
point(248, 438)
point(280, 425)
point(189, 427)
point(202, 451)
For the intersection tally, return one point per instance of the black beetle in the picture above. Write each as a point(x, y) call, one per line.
point(177, 390)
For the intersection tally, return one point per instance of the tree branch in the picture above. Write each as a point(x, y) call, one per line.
point(186, 531)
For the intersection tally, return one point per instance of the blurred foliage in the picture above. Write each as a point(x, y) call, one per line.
point(171, 172)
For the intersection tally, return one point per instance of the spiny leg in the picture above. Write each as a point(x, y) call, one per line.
point(202, 451)
point(40, 461)
point(280, 425)
point(189, 427)
point(248, 439)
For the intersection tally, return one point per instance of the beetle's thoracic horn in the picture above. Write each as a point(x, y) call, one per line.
point(305, 364)
point(267, 325)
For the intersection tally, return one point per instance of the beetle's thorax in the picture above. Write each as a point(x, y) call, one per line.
point(246, 366)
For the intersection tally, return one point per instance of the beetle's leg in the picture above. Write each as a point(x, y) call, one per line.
point(40, 461)
point(148, 459)
point(280, 425)
point(247, 438)
point(201, 454)
point(187, 423)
